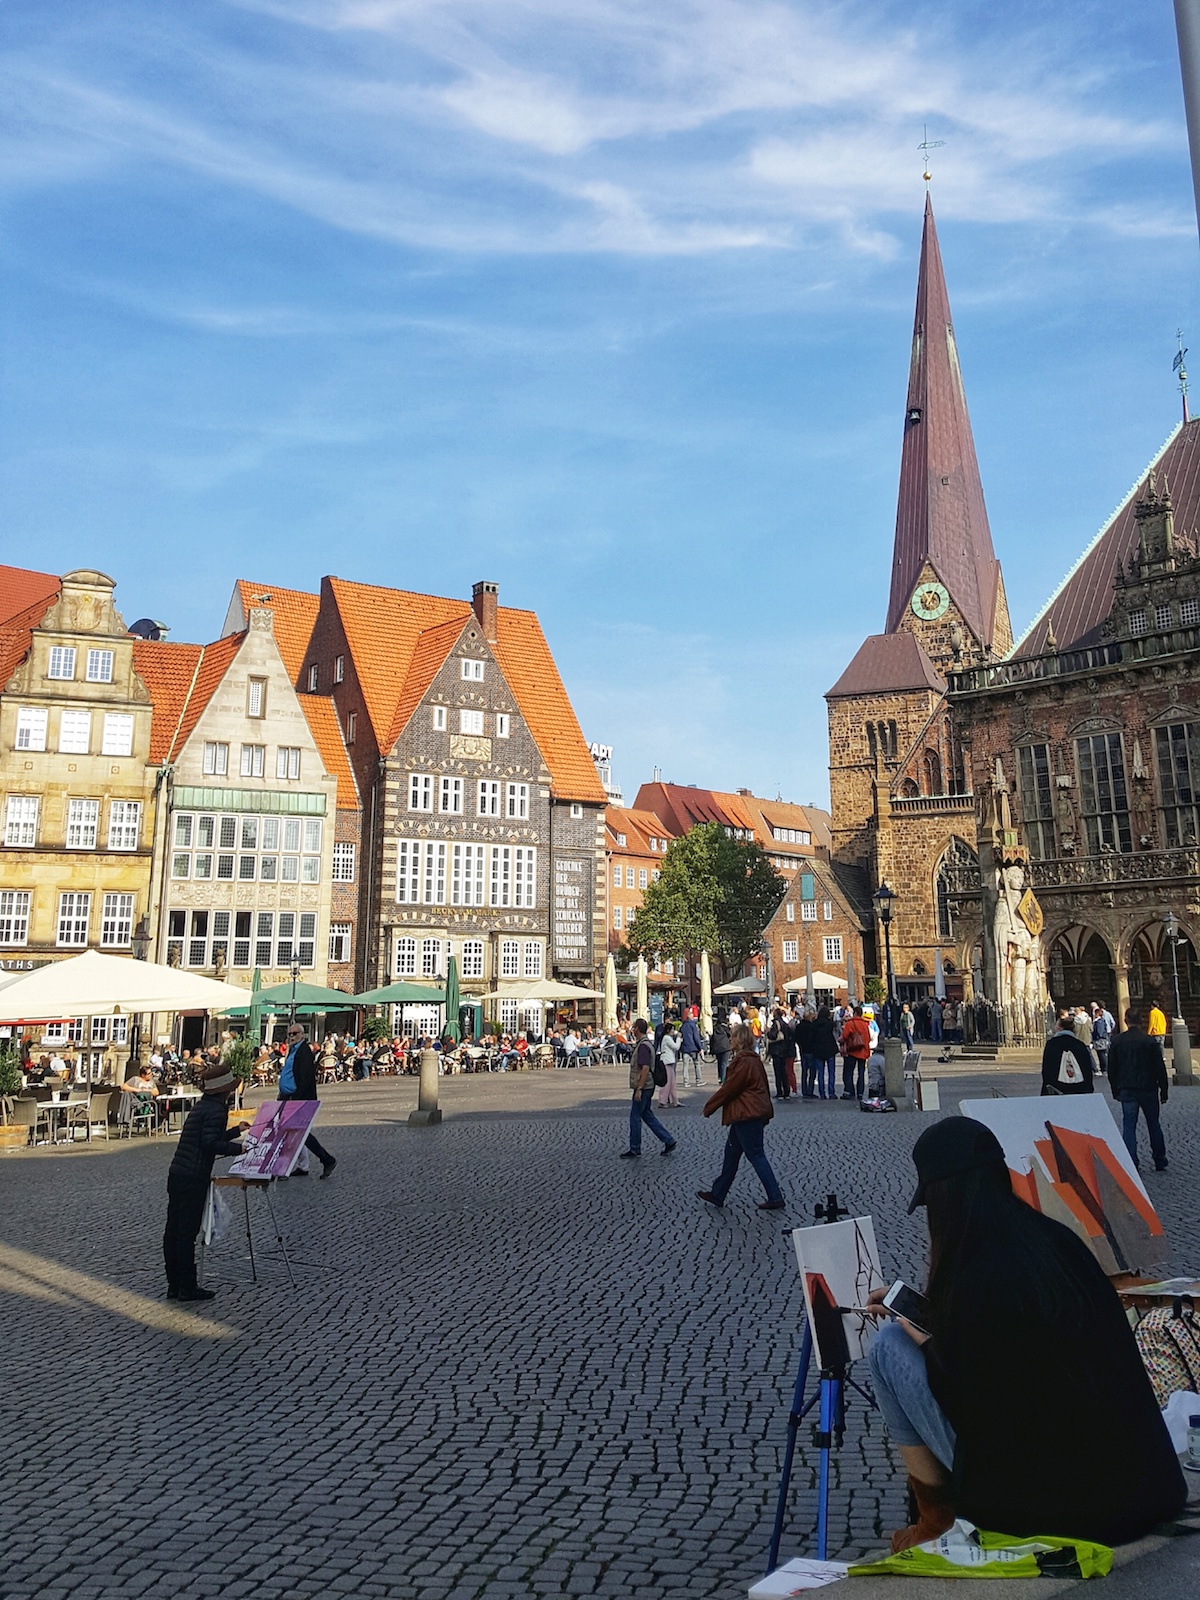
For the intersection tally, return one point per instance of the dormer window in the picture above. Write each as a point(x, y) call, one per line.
point(313, 678)
point(621, 838)
point(339, 668)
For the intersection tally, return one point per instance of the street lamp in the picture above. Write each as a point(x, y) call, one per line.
point(1171, 930)
point(295, 975)
point(141, 940)
point(1181, 1044)
point(883, 898)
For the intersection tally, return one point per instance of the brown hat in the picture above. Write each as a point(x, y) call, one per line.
point(218, 1080)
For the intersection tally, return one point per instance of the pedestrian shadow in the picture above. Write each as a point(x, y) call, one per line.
point(35, 1277)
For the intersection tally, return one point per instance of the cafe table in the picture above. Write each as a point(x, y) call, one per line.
point(175, 1102)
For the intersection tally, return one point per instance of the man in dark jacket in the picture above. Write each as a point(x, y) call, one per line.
point(1137, 1076)
point(1067, 1064)
point(720, 1043)
point(690, 1047)
point(203, 1138)
point(298, 1081)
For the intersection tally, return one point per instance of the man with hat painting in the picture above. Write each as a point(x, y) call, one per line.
point(203, 1138)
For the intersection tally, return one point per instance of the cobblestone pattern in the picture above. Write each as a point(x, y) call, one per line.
point(514, 1366)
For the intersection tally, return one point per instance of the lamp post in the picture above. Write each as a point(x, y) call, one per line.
point(1181, 1044)
point(140, 940)
point(295, 975)
point(893, 1050)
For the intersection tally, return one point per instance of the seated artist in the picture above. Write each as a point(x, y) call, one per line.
point(1026, 1409)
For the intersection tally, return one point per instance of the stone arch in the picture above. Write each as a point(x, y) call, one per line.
point(1080, 966)
point(909, 789)
point(931, 770)
point(956, 854)
point(1151, 977)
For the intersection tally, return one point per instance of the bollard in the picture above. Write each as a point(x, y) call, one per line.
point(893, 1072)
point(428, 1111)
point(1181, 1053)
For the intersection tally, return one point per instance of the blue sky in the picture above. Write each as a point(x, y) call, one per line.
point(610, 302)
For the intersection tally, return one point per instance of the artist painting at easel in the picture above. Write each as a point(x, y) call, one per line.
point(203, 1138)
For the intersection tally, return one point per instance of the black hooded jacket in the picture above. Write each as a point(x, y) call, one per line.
point(203, 1138)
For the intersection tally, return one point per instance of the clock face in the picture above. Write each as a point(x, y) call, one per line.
point(930, 601)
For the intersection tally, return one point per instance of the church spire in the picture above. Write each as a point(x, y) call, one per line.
point(941, 520)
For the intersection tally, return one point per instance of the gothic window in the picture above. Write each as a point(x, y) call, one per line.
point(1178, 749)
point(958, 856)
point(871, 739)
point(909, 789)
point(933, 772)
point(1037, 800)
point(1103, 799)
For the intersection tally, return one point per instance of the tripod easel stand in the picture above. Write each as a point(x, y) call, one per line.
point(263, 1185)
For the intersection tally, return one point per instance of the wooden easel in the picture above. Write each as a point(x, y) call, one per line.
point(263, 1185)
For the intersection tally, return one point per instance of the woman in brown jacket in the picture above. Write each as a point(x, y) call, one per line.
point(744, 1101)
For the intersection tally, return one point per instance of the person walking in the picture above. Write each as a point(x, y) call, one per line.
point(641, 1084)
point(721, 1043)
point(856, 1049)
point(778, 1045)
point(744, 1102)
point(1082, 1023)
point(203, 1137)
point(908, 1026)
point(1156, 1027)
point(825, 1050)
point(690, 1047)
point(803, 1029)
point(1067, 1065)
point(668, 1054)
point(1103, 1028)
point(298, 1081)
point(1137, 1077)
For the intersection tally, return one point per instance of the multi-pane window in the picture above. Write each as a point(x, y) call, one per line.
point(62, 661)
point(513, 875)
point(473, 671)
point(1178, 751)
point(99, 666)
point(314, 681)
point(256, 697)
point(808, 911)
point(118, 734)
point(107, 1030)
point(655, 874)
point(629, 877)
point(502, 725)
point(260, 938)
point(339, 941)
point(617, 876)
point(83, 819)
point(75, 733)
point(431, 958)
point(517, 800)
point(1137, 623)
point(31, 728)
point(420, 791)
point(406, 957)
point(472, 958)
point(1189, 613)
point(339, 668)
point(468, 875)
point(271, 849)
point(789, 912)
point(791, 951)
point(254, 760)
point(1102, 794)
point(116, 921)
point(1036, 787)
point(489, 798)
point(509, 1015)
point(618, 917)
point(439, 719)
point(470, 722)
point(452, 796)
point(343, 862)
point(643, 878)
point(498, 875)
point(510, 958)
point(74, 913)
point(833, 948)
point(21, 822)
point(1162, 616)
point(124, 823)
point(14, 916)
point(287, 761)
point(533, 958)
point(216, 759)
point(827, 910)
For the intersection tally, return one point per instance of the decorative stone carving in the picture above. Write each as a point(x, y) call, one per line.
point(470, 747)
point(1016, 928)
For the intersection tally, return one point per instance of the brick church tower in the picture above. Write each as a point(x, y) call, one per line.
point(902, 807)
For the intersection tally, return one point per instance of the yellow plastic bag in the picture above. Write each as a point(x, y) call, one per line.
point(966, 1551)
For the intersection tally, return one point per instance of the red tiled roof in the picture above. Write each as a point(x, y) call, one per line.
point(529, 667)
point(295, 613)
point(1084, 598)
point(428, 658)
point(940, 515)
point(686, 807)
point(182, 679)
point(639, 827)
point(22, 590)
point(326, 731)
point(886, 663)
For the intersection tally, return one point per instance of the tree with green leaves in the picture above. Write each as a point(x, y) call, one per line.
point(714, 893)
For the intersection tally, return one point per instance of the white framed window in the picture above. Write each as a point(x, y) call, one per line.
point(629, 916)
point(470, 721)
point(306, 944)
point(314, 680)
point(452, 796)
point(643, 878)
point(420, 791)
point(124, 824)
point(75, 733)
point(31, 728)
point(510, 1013)
point(808, 911)
point(517, 800)
point(339, 669)
point(99, 666)
point(351, 727)
point(489, 797)
point(791, 951)
point(184, 824)
point(618, 917)
point(408, 867)
point(62, 661)
point(14, 916)
point(533, 958)
point(789, 912)
point(406, 957)
point(433, 873)
point(310, 869)
point(439, 719)
point(833, 948)
point(576, 808)
point(216, 759)
point(339, 941)
point(524, 876)
point(312, 833)
point(83, 820)
point(287, 762)
point(621, 840)
point(181, 864)
point(74, 914)
point(421, 871)
point(21, 822)
point(116, 921)
point(617, 877)
point(250, 827)
point(343, 861)
point(472, 671)
point(629, 877)
point(118, 734)
point(510, 958)
point(254, 760)
point(431, 958)
point(827, 910)
point(472, 958)
point(655, 874)
point(256, 697)
point(502, 725)
point(468, 878)
point(654, 844)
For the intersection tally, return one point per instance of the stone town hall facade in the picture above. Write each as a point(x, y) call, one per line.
point(1035, 805)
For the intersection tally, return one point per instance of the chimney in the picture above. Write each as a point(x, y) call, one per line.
point(485, 600)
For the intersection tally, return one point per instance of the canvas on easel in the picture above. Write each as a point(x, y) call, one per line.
point(839, 1266)
point(1067, 1159)
point(274, 1141)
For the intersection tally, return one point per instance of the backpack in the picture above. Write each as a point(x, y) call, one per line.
point(1169, 1344)
point(659, 1074)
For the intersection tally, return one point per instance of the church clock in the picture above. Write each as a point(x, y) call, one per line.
point(930, 601)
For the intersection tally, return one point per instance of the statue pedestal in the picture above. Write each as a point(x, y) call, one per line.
point(1181, 1054)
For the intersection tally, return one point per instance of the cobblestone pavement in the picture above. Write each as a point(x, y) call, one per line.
point(512, 1366)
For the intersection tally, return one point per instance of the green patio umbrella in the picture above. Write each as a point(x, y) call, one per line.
point(279, 996)
point(396, 994)
point(254, 1015)
point(453, 1001)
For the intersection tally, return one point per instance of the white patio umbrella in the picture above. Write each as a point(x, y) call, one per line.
point(743, 986)
point(643, 997)
point(706, 1018)
point(93, 984)
point(547, 990)
point(819, 980)
point(610, 993)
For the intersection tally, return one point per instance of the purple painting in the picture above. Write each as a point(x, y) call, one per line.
point(273, 1143)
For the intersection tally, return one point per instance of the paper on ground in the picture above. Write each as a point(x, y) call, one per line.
point(796, 1577)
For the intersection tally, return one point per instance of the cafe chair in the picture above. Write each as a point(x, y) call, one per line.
point(27, 1113)
point(76, 1116)
point(97, 1115)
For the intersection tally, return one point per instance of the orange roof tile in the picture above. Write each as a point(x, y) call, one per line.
point(295, 614)
point(529, 667)
point(182, 679)
point(23, 590)
point(326, 731)
point(639, 827)
point(428, 658)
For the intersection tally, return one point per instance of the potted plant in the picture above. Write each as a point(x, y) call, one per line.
point(11, 1138)
point(239, 1057)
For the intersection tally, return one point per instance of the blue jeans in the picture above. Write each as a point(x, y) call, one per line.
point(808, 1075)
point(901, 1383)
point(853, 1073)
point(639, 1112)
point(746, 1139)
point(722, 1063)
point(1145, 1101)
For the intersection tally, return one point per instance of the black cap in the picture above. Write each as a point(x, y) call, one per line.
point(951, 1147)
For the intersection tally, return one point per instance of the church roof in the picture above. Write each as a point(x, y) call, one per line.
point(885, 664)
point(1079, 605)
point(941, 518)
